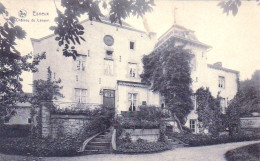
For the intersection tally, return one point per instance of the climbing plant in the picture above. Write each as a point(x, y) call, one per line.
point(168, 72)
point(209, 111)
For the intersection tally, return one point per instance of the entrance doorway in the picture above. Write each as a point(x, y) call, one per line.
point(109, 98)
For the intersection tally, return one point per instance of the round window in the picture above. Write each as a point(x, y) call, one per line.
point(108, 40)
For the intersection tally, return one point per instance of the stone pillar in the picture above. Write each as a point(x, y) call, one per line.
point(46, 119)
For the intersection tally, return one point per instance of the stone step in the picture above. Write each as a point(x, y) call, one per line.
point(99, 143)
point(101, 140)
point(97, 147)
point(96, 152)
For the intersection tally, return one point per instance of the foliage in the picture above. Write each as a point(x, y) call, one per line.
point(14, 130)
point(40, 147)
point(12, 64)
point(208, 110)
point(147, 117)
point(100, 118)
point(168, 72)
point(141, 146)
point(249, 153)
point(201, 140)
point(69, 30)
point(245, 102)
point(46, 90)
point(134, 123)
point(231, 6)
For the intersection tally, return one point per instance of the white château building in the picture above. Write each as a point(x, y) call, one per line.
point(110, 63)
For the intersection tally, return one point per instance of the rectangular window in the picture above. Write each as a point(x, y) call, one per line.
point(81, 63)
point(132, 70)
point(193, 125)
point(194, 101)
point(132, 45)
point(132, 101)
point(109, 54)
point(109, 67)
point(80, 95)
point(29, 120)
point(221, 82)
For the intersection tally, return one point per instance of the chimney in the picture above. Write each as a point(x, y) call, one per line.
point(218, 64)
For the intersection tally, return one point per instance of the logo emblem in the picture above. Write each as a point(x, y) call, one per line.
point(22, 13)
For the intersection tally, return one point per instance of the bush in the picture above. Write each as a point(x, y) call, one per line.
point(250, 153)
point(134, 123)
point(200, 140)
point(14, 130)
point(40, 147)
point(141, 146)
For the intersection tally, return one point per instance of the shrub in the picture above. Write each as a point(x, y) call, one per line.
point(250, 153)
point(40, 147)
point(134, 123)
point(14, 130)
point(141, 146)
point(200, 140)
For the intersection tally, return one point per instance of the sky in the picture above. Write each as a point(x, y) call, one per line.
point(234, 39)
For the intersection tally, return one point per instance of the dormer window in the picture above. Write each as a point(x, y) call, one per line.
point(132, 45)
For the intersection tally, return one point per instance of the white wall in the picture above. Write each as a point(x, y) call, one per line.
point(95, 50)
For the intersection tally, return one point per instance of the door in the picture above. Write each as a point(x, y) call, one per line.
point(109, 98)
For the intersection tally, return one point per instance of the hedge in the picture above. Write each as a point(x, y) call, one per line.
point(141, 146)
point(249, 153)
point(201, 140)
point(14, 130)
point(40, 147)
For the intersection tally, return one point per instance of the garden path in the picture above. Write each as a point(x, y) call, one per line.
point(203, 153)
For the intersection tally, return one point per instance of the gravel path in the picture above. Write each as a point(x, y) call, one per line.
point(203, 153)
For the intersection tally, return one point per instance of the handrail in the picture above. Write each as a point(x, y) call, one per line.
point(178, 121)
point(113, 141)
point(82, 148)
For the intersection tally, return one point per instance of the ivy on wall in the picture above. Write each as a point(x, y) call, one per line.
point(168, 72)
point(209, 111)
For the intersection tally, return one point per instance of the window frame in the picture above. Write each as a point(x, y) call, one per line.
point(82, 97)
point(132, 70)
point(221, 82)
point(193, 125)
point(131, 100)
point(132, 45)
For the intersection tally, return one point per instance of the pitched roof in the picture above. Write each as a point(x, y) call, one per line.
point(105, 20)
point(179, 32)
point(223, 69)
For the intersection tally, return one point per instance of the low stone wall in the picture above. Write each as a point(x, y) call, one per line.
point(58, 125)
point(151, 135)
point(250, 125)
point(68, 125)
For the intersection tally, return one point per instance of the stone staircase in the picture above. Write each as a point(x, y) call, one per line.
point(100, 144)
point(176, 143)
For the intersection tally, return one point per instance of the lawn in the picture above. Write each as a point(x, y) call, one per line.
point(249, 153)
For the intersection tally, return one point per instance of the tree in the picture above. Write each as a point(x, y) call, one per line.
point(231, 6)
point(69, 31)
point(209, 110)
point(46, 90)
point(168, 72)
point(12, 64)
point(246, 101)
